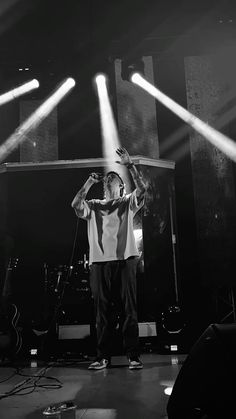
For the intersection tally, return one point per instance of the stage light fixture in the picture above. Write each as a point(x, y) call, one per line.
point(70, 82)
point(35, 119)
point(100, 78)
point(18, 91)
point(128, 68)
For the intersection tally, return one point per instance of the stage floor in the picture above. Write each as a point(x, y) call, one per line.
point(114, 393)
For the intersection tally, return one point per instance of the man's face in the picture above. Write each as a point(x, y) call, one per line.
point(112, 182)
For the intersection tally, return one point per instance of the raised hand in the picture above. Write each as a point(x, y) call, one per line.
point(95, 177)
point(124, 156)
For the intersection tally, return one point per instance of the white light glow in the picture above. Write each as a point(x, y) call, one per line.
point(138, 235)
point(35, 119)
point(168, 391)
point(100, 80)
point(70, 82)
point(219, 140)
point(18, 91)
point(110, 135)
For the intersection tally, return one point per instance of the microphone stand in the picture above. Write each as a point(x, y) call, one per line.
point(53, 326)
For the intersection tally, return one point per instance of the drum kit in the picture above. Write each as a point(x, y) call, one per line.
point(66, 288)
point(73, 278)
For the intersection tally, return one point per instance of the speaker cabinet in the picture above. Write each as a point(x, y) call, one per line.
point(205, 385)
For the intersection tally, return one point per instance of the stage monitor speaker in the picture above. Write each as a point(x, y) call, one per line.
point(205, 385)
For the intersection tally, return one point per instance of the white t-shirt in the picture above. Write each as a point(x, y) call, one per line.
point(110, 227)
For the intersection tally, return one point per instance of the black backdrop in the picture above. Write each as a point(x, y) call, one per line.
point(39, 228)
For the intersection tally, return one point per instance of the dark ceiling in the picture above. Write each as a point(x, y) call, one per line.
point(66, 29)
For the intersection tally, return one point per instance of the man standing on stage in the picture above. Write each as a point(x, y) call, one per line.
point(113, 256)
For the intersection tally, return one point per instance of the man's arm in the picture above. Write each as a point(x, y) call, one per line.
point(138, 181)
point(78, 201)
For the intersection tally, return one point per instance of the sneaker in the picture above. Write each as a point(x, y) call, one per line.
point(99, 364)
point(135, 364)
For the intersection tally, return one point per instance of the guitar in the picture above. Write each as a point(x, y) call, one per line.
point(10, 338)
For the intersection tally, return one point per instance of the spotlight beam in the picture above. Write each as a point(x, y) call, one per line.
point(18, 91)
point(110, 136)
point(219, 140)
point(35, 119)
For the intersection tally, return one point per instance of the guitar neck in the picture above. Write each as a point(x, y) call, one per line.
point(6, 292)
point(7, 285)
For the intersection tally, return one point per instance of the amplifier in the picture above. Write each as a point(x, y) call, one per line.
point(81, 331)
point(73, 331)
point(147, 329)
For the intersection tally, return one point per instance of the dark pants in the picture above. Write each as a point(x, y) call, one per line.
point(109, 282)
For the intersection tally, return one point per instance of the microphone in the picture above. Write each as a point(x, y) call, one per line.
point(97, 176)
